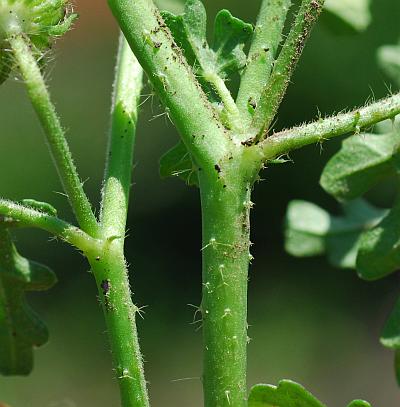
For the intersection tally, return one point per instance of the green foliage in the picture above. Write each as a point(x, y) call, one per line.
point(226, 55)
point(389, 60)
point(363, 161)
point(20, 328)
point(373, 247)
point(177, 162)
point(347, 15)
point(211, 63)
point(40, 20)
point(288, 394)
point(312, 231)
point(379, 253)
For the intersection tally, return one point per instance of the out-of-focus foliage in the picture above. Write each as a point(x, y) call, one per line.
point(288, 394)
point(348, 15)
point(362, 162)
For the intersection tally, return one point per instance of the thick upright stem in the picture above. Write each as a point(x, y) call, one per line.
point(111, 275)
point(172, 78)
point(54, 132)
point(225, 209)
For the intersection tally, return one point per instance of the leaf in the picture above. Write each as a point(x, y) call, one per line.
point(20, 328)
point(286, 394)
point(6, 63)
point(311, 231)
point(177, 162)
point(379, 253)
point(347, 16)
point(226, 56)
point(389, 61)
point(391, 332)
point(359, 403)
point(362, 161)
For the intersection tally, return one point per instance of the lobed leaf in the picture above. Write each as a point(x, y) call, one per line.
point(226, 55)
point(362, 162)
point(177, 162)
point(20, 328)
point(346, 16)
point(311, 231)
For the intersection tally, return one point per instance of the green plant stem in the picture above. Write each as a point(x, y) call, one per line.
point(324, 129)
point(110, 271)
point(173, 79)
point(117, 182)
point(275, 89)
point(108, 264)
point(264, 47)
point(28, 217)
point(225, 211)
point(57, 142)
point(230, 113)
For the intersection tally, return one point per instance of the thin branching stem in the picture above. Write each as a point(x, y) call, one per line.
point(324, 129)
point(284, 67)
point(54, 132)
point(108, 264)
point(264, 47)
point(117, 179)
point(29, 217)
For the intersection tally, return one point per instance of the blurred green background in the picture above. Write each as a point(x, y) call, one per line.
point(308, 322)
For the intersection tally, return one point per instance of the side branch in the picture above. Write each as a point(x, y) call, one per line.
point(28, 217)
point(117, 179)
point(172, 78)
point(285, 65)
point(54, 132)
point(324, 129)
point(264, 47)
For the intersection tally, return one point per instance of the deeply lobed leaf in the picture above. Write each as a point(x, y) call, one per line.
point(226, 55)
point(20, 328)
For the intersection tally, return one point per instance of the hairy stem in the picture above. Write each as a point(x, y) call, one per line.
point(324, 129)
point(111, 273)
point(57, 142)
point(117, 182)
point(173, 79)
point(28, 217)
point(225, 209)
point(274, 91)
point(108, 264)
point(264, 47)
